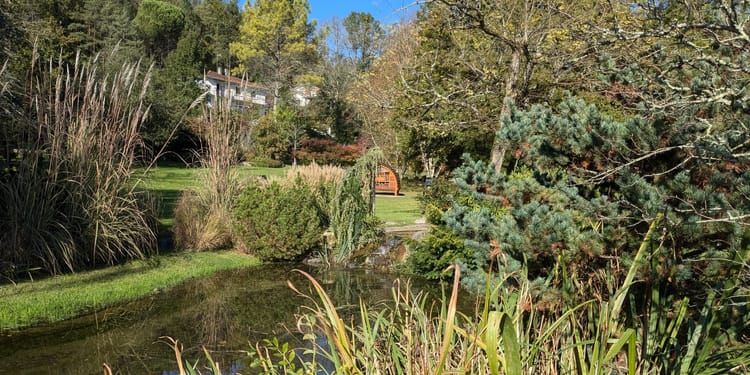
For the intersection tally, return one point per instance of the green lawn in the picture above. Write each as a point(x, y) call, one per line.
point(63, 297)
point(398, 210)
point(168, 183)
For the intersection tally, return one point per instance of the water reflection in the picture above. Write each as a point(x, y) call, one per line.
point(225, 313)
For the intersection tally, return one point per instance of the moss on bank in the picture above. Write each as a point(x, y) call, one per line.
point(63, 297)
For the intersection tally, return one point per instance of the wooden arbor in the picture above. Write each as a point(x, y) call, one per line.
point(386, 179)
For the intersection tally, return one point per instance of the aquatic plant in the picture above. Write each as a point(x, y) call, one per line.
point(513, 332)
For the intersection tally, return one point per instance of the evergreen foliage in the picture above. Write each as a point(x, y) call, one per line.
point(351, 216)
point(106, 26)
point(221, 20)
point(278, 223)
point(436, 251)
point(268, 141)
point(275, 42)
point(160, 24)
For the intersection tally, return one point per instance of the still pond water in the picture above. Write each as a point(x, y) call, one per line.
point(225, 313)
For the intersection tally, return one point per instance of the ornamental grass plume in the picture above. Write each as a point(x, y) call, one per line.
point(70, 200)
point(203, 217)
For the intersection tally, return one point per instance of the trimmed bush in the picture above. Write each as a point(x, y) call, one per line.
point(277, 222)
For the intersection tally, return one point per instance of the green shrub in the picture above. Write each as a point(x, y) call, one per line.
point(278, 223)
point(430, 256)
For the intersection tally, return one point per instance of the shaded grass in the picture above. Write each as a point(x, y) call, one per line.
point(398, 210)
point(63, 297)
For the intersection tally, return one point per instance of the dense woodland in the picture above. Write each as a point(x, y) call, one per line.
point(560, 138)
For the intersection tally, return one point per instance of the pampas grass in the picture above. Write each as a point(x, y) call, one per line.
point(71, 202)
point(313, 175)
point(203, 217)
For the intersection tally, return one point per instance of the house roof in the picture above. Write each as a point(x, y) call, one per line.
point(237, 81)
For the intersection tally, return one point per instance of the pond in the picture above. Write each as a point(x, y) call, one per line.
point(226, 313)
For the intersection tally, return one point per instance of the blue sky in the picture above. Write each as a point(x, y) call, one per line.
point(386, 11)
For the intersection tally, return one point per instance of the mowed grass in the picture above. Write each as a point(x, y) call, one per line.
point(398, 210)
point(63, 297)
point(168, 183)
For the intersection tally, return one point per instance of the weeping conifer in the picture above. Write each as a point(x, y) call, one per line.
point(352, 219)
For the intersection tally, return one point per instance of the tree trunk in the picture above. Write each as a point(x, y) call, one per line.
point(276, 95)
point(511, 92)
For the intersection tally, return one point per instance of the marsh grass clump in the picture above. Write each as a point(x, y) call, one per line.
point(70, 199)
point(203, 217)
point(512, 331)
point(351, 210)
point(314, 174)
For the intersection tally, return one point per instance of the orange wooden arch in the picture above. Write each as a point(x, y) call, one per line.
point(386, 179)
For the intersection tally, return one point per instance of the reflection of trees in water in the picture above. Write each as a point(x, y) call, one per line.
point(347, 287)
point(214, 314)
point(224, 313)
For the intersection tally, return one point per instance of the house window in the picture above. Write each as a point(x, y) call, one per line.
point(219, 90)
point(237, 90)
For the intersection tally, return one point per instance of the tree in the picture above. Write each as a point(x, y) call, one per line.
point(330, 112)
point(666, 138)
point(221, 21)
point(364, 34)
point(103, 26)
point(45, 22)
point(375, 93)
point(291, 127)
point(175, 84)
point(160, 25)
point(275, 42)
point(479, 57)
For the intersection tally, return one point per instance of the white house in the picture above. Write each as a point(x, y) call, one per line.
point(243, 93)
point(302, 94)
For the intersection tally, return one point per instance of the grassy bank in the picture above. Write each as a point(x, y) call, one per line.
point(64, 297)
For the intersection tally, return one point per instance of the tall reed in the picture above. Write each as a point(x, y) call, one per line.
point(72, 200)
point(203, 217)
point(510, 334)
point(351, 210)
